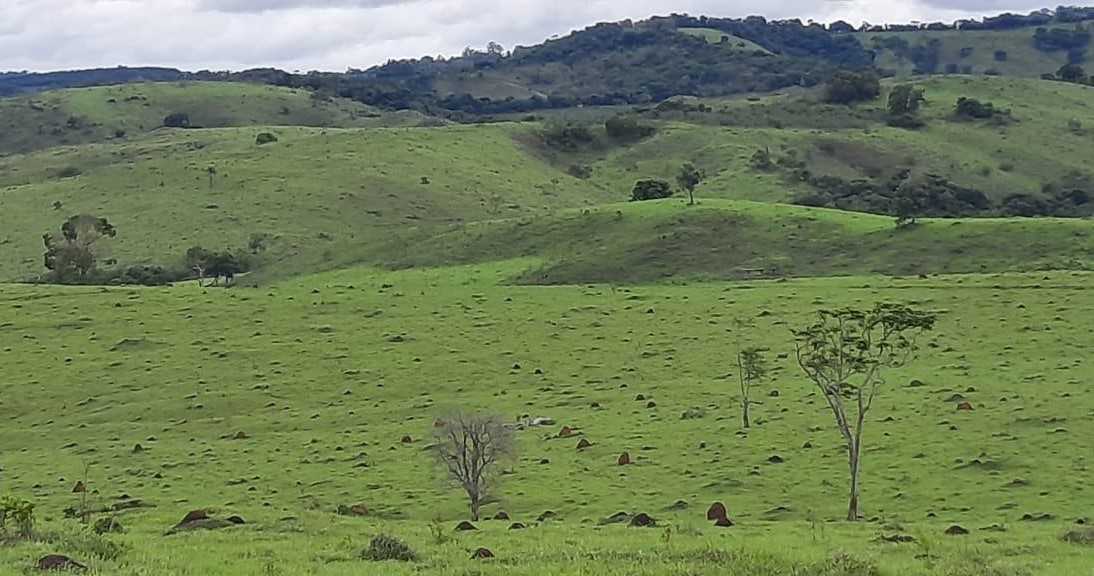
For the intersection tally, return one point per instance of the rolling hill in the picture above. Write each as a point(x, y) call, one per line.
point(83, 115)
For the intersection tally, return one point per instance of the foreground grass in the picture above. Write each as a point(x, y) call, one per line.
point(324, 376)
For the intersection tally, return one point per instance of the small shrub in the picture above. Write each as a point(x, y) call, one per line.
point(1001, 55)
point(581, 171)
point(85, 543)
point(1075, 125)
point(265, 138)
point(108, 525)
point(177, 120)
point(17, 516)
point(439, 532)
point(384, 547)
point(761, 160)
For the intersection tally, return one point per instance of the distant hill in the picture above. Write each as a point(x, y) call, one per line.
point(82, 115)
point(13, 83)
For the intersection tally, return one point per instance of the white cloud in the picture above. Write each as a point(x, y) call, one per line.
point(336, 34)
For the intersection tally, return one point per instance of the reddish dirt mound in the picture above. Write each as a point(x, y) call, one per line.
point(723, 523)
point(624, 459)
point(465, 526)
point(501, 515)
point(566, 432)
point(407, 440)
point(482, 554)
point(643, 520)
point(956, 530)
point(56, 562)
point(965, 407)
point(583, 443)
point(517, 526)
point(717, 511)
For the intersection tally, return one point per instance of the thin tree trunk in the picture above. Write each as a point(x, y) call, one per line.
point(474, 508)
point(744, 413)
point(852, 506)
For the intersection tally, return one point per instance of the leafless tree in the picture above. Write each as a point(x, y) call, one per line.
point(845, 354)
point(471, 447)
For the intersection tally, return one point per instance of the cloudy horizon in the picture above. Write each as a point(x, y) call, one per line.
point(333, 35)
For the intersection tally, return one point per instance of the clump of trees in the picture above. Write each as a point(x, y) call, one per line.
point(847, 87)
point(845, 354)
point(471, 448)
point(627, 128)
point(974, 109)
point(904, 103)
point(567, 136)
point(224, 264)
point(650, 190)
point(73, 258)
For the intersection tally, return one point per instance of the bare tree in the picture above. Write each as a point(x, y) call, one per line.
point(751, 368)
point(845, 353)
point(471, 447)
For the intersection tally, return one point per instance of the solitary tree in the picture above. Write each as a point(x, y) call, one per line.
point(73, 257)
point(470, 448)
point(688, 178)
point(845, 353)
point(751, 368)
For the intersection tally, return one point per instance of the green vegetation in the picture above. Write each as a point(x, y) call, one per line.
point(326, 378)
point(271, 331)
point(84, 115)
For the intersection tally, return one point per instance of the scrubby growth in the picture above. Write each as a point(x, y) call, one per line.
point(384, 548)
point(651, 189)
point(850, 87)
point(16, 518)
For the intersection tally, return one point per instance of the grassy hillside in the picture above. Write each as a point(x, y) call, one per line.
point(652, 241)
point(964, 51)
point(1046, 141)
point(732, 42)
point(281, 404)
point(82, 115)
point(309, 191)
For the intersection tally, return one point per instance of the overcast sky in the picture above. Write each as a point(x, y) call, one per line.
point(338, 34)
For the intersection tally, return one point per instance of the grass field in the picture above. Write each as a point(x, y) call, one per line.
point(324, 375)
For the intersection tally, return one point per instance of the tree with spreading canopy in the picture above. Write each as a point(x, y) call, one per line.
point(845, 353)
point(74, 256)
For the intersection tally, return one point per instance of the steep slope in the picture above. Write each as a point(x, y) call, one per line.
point(311, 189)
point(80, 115)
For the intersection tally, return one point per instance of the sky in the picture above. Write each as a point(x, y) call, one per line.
point(44, 35)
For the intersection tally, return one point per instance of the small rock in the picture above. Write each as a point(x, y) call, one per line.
point(482, 554)
point(956, 530)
